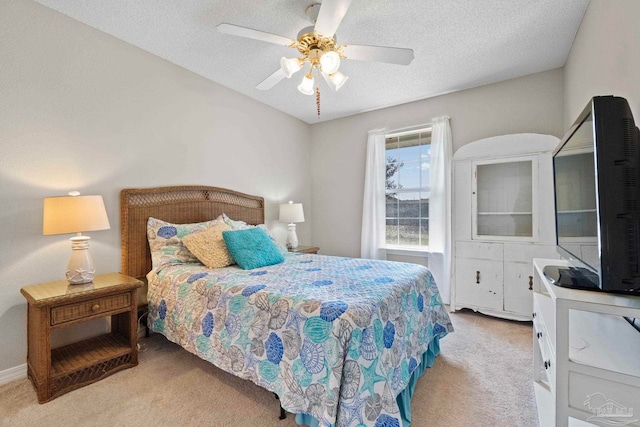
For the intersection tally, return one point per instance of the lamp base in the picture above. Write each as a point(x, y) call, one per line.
point(292, 238)
point(80, 267)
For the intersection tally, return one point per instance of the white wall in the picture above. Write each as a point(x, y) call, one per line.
point(81, 110)
point(527, 104)
point(605, 57)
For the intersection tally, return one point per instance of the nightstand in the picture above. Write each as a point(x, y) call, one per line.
point(57, 305)
point(305, 249)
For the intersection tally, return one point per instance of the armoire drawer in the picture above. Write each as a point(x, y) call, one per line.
point(479, 250)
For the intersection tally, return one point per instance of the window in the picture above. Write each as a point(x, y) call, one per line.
point(408, 155)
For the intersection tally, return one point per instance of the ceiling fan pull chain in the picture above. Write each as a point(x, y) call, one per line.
point(318, 99)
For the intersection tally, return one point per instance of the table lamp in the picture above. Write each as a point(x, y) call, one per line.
point(75, 214)
point(291, 213)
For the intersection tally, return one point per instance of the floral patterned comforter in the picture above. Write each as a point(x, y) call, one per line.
point(337, 338)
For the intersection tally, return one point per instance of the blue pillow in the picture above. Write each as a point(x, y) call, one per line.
point(252, 248)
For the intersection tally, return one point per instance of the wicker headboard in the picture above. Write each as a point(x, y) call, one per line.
point(180, 205)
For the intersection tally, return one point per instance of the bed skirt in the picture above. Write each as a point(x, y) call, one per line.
point(405, 396)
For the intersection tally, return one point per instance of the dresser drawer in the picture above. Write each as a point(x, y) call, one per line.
point(548, 359)
point(543, 306)
point(71, 312)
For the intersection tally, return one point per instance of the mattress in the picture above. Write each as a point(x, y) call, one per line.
point(337, 339)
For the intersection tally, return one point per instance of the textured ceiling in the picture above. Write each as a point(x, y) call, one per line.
point(458, 44)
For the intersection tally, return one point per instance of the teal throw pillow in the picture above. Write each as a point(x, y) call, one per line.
point(241, 225)
point(252, 248)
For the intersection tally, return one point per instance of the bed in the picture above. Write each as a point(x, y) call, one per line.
point(340, 341)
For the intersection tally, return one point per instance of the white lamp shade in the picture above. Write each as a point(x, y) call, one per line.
point(291, 212)
point(306, 87)
point(330, 62)
point(74, 214)
point(290, 66)
point(338, 79)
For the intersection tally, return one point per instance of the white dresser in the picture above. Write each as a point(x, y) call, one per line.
point(503, 217)
point(586, 355)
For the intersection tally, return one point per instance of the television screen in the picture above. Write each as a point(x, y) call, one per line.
point(575, 189)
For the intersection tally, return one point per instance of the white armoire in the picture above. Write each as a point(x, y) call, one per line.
point(503, 218)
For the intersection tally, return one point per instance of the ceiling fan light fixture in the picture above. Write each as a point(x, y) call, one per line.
point(290, 66)
point(318, 47)
point(338, 79)
point(330, 62)
point(306, 87)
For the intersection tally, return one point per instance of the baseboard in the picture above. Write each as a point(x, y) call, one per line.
point(12, 374)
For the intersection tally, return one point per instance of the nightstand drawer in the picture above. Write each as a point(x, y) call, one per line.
point(71, 312)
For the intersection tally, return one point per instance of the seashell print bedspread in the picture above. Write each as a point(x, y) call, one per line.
point(337, 338)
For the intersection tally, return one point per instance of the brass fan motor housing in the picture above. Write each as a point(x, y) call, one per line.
point(312, 45)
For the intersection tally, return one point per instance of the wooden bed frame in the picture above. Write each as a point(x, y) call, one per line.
point(179, 205)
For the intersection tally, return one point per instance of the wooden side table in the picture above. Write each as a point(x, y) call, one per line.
point(305, 249)
point(56, 305)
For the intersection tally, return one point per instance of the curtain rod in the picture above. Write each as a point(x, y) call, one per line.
point(407, 129)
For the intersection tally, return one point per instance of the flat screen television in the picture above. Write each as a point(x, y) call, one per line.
point(596, 171)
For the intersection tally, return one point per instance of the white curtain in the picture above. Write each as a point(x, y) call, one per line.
point(372, 243)
point(440, 205)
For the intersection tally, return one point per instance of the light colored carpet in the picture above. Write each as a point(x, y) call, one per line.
point(483, 377)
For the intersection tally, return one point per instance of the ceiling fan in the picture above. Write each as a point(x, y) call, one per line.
point(318, 47)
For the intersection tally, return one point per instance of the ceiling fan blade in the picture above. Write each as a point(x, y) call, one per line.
point(272, 80)
point(330, 16)
point(236, 30)
point(391, 55)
